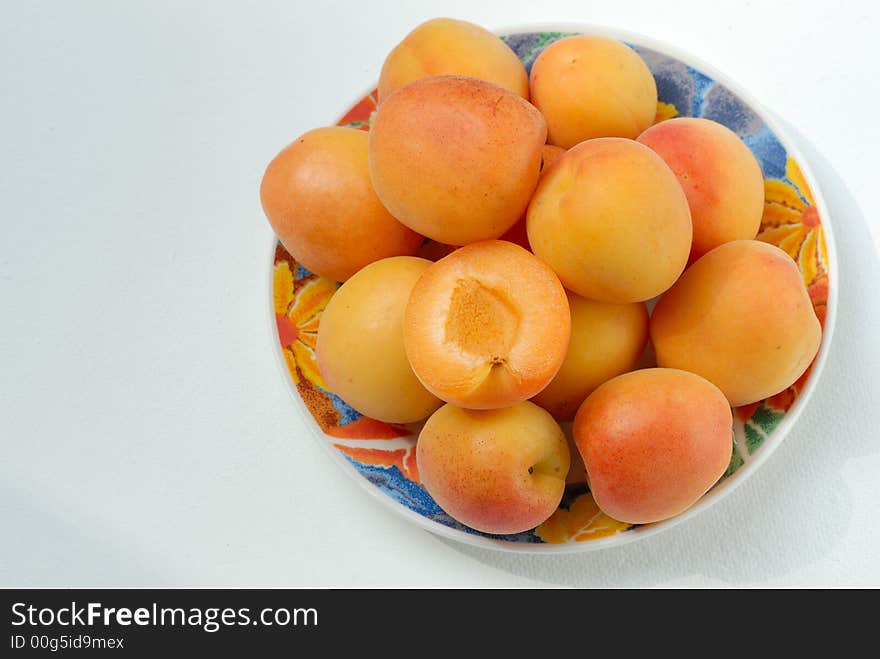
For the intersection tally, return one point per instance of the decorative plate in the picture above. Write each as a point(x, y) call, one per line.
point(382, 457)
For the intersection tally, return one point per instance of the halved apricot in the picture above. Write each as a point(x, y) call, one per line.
point(487, 326)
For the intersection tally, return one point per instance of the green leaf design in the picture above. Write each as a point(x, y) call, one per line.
point(736, 461)
point(754, 438)
point(766, 418)
point(543, 39)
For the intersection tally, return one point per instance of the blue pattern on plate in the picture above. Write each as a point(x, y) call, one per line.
point(301, 272)
point(347, 414)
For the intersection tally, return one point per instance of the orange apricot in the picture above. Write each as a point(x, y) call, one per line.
point(444, 46)
point(720, 177)
point(612, 221)
point(741, 317)
point(320, 202)
point(497, 471)
point(653, 442)
point(455, 158)
point(589, 87)
point(487, 326)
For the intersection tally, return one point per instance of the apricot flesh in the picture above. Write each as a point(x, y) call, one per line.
point(360, 349)
point(611, 219)
point(497, 471)
point(456, 159)
point(741, 317)
point(487, 326)
point(721, 178)
point(444, 46)
point(319, 200)
point(653, 442)
point(588, 87)
point(606, 340)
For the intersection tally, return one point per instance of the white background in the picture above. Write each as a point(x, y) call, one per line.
point(147, 436)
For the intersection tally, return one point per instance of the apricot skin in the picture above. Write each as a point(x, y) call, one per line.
point(721, 178)
point(360, 349)
point(612, 221)
point(444, 46)
point(497, 471)
point(518, 233)
point(741, 317)
point(455, 158)
point(588, 87)
point(487, 326)
point(606, 340)
point(320, 202)
point(653, 442)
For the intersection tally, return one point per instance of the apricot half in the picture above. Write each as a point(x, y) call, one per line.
point(741, 317)
point(653, 442)
point(319, 199)
point(589, 87)
point(720, 177)
point(612, 221)
point(497, 471)
point(456, 159)
point(360, 349)
point(444, 46)
point(487, 326)
point(606, 340)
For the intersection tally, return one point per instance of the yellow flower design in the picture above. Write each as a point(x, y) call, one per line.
point(298, 308)
point(665, 111)
point(791, 222)
point(582, 521)
point(282, 287)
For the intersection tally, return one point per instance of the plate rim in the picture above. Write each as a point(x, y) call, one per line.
point(716, 493)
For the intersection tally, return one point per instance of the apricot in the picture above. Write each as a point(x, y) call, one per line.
point(606, 340)
point(612, 221)
point(720, 177)
point(518, 233)
point(577, 473)
point(487, 326)
point(653, 442)
point(434, 251)
point(549, 154)
point(360, 349)
point(497, 471)
point(741, 317)
point(444, 46)
point(590, 87)
point(456, 159)
point(320, 202)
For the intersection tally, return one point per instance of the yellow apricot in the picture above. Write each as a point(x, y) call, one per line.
point(444, 46)
point(360, 343)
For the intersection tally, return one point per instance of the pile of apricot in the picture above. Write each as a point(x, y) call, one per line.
point(559, 210)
